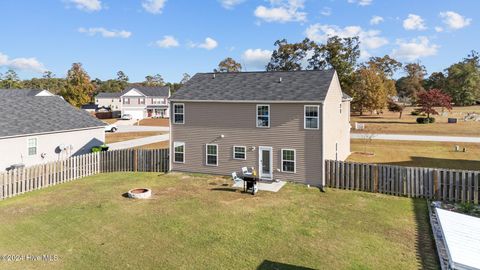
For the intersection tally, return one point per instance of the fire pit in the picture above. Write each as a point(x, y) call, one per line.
point(140, 193)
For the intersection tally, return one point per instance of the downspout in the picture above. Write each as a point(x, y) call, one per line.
point(170, 135)
point(323, 148)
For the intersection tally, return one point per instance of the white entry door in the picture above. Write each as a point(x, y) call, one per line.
point(265, 164)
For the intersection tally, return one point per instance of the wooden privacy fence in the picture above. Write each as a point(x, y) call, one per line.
point(416, 182)
point(19, 181)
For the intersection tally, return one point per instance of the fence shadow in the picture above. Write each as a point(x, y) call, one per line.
point(457, 164)
point(270, 265)
point(425, 243)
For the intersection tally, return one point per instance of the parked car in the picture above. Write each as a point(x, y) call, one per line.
point(126, 117)
point(111, 128)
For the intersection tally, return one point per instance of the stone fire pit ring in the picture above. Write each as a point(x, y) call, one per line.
point(140, 193)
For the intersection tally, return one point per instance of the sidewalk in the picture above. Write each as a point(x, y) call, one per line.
point(138, 142)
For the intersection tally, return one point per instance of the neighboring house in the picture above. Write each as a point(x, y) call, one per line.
point(25, 93)
point(138, 101)
point(284, 124)
point(111, 100)
point(37, 129)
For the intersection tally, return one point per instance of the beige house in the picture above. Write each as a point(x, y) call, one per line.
point(46, 129)
point(138, 101)
point(284, 124)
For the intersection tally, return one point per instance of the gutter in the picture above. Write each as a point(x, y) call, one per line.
point(250, 101)
point(49, 132)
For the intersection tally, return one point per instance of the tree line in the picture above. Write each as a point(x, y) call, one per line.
point(77, 87)
point(371, 83)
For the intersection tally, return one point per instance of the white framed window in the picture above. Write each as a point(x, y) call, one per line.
point(211, 154)
point(126, 100)
point(288, 160)
point(141, 101)
point(178, 113)
point(311, 116)
point(32, 146)
point(263, 116)
point(158, 101)
point(240, 152)
point(179, 152)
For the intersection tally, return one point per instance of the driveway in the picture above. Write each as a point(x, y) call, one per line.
point(130, 122)
point(398, 137)
point(138, 142)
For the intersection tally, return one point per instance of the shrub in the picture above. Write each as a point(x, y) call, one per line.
point(415, 112)
point(425, 120)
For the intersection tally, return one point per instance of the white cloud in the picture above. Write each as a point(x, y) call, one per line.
point(153, 6)
point(438, 29)
point(369, 39)
point(361, 2)
point(167, 42)
point(376, 20)
point(256, 58)
point(105, 33)
point(454, 20)
point(29, 64)
point(326, 11)
point(415, 49)
point(230, 4)
point(414, 22)
point(87, 5)
point(282, 11)
point(208, 44)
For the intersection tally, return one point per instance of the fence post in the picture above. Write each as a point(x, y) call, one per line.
point(436, 184)
point(135, 160)
point(375, 178)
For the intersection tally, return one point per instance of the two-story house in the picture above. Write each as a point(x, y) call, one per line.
point(138, 101)
point(284, 124)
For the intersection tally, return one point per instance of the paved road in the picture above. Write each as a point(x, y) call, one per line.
point(138, 142)
point(141, 128)
point(398, 137)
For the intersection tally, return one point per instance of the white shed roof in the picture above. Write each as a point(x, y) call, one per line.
point(462, 238)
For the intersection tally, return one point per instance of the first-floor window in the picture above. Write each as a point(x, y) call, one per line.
point(212, 154)
point(32, 146)
point(288, 160)
point(239, 152)
point(179, 152)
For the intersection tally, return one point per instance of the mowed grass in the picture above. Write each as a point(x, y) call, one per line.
point(417, 154)
point(162, 122)
point(389, 123)
point(125, 136)
point(199, 222)
point(157, 145)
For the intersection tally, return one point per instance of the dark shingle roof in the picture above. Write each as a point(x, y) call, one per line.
point(150, 91)
point(19, 92)
point(280, 86)
point(30, 115)
point(109, 95)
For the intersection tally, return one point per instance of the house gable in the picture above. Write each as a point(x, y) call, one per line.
point(133, 93)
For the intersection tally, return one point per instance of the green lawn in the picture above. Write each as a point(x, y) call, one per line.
point(199, 222)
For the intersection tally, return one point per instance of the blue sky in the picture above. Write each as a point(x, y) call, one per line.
point(172, 37)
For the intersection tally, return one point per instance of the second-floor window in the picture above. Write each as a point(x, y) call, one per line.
point(178, 113)
point(141, 101)
point(158, 101)
point(311, 118)
point(263, 116)
point(126, 100)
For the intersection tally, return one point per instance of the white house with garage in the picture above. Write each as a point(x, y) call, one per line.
point(138, 101)
point(46, 129)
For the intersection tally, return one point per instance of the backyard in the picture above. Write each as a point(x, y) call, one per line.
point(389, 123)
point(417, 153)
point(126, 136)
point(198, 221)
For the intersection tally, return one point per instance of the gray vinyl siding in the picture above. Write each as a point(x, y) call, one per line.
point(205, 123)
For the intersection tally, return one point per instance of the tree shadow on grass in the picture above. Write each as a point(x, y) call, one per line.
point(224, 189)
point(269, 265)
point(456, 164)
point(388, 122)
point(425, 243)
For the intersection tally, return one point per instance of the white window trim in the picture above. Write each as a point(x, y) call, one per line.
point(174, 113)
point(175, 144)
point(36, 146)
point(305, 117)
point(240, 146)
point(206, 154)
point(294, 160)
point(269, 115)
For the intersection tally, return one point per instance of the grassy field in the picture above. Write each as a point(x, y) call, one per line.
point(157, 145)
point(125, 136)
point(418, 154)
point(198, 221)
point(389, 122)
point(162, 122)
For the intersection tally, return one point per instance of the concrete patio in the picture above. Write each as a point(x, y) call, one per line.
point(271, 186)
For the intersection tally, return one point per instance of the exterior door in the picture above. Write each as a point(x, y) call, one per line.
point(265, 164)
